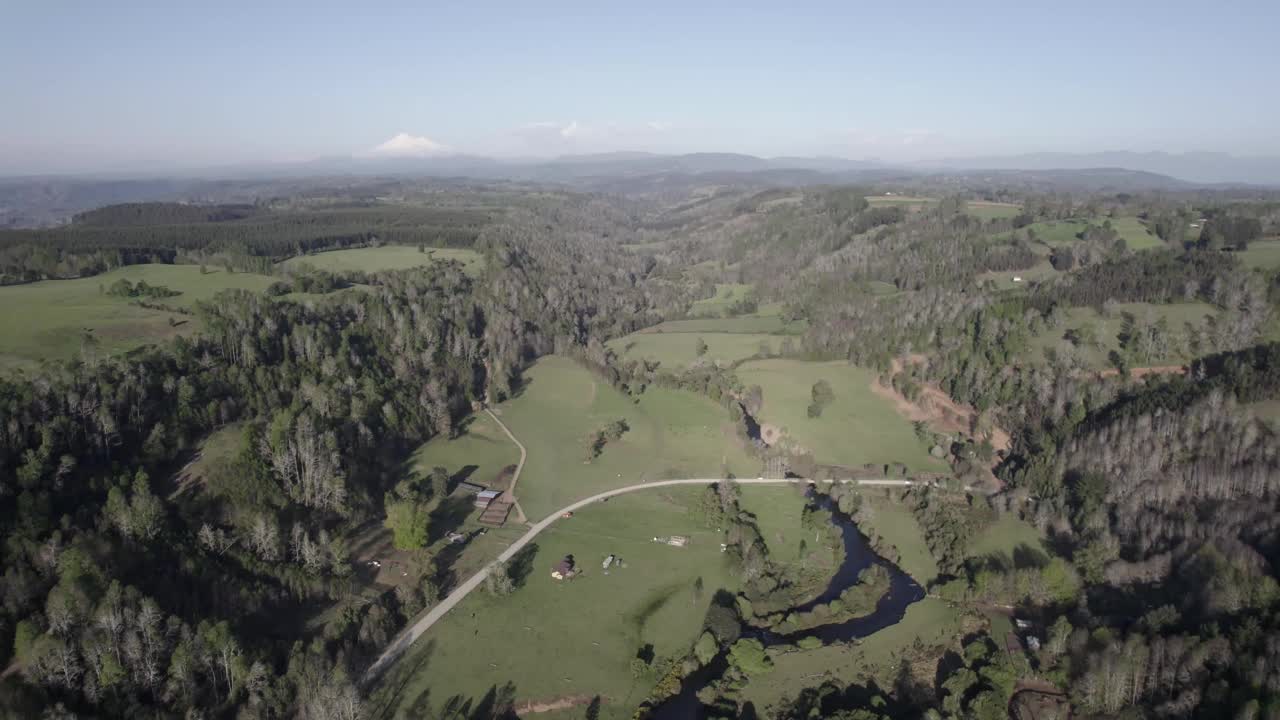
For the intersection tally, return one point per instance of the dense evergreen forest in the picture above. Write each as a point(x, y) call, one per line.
point(1160, 492)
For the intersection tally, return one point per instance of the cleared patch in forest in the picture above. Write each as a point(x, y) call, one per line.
point(676, 350)
point(857, 427)
point(50, 320)
point(387, 257)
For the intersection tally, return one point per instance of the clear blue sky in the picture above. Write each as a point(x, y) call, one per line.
point(123, 85)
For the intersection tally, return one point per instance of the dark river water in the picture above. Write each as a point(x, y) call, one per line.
point(858, 556)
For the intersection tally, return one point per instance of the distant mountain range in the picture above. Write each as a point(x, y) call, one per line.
point(1193, 168)
point(35, 201)
point(1197, 167)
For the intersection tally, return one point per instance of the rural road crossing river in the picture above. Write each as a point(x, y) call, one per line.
point(410, 634)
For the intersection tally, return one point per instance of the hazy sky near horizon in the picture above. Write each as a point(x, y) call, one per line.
point(125, 86)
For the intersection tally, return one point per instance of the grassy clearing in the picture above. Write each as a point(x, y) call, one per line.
point(894, 523)
point(762, 324)
point(387, 257)
point(218, 446)
point(48, 320)
point(1264, 254)
point(552, 639)
point(858, 427)
point(1004, 280)
point(676, 350)
point(715, 306)
point(1004, 536)
point(932, 621)
point(984, 210)
point(1136, 235)
point(477, 455)
point(778, 512)
point(1108, 330)
point(672, 435)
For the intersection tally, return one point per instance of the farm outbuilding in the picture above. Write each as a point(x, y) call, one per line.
point(564, 569)
point(484, 497)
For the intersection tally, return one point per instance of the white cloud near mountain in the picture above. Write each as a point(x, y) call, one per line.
point(406, 145)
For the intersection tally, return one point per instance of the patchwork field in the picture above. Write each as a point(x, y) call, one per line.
point(858, 427)
point(671, 434)
point(387, 257)
point(726, 295)
point(48, 320)
point(1108, 330)
point(676, 350)
point(558, 639)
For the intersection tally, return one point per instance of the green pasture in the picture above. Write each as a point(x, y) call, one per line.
point(858, 427)
point(49, 320)
point(386, 257)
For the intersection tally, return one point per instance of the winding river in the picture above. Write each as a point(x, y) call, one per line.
point(858, 556)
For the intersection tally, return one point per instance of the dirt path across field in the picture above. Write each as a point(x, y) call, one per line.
point(515, 478)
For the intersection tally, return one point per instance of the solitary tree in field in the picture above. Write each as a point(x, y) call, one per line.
point(701, 348)
point(822, 396)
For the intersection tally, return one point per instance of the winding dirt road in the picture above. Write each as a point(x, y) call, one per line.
point(410, 634)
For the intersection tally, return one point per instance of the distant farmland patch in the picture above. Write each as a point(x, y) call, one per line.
point(1264, 254)
point(675, 350)
point(50, 320)
point(727, 295)
point(387, 257)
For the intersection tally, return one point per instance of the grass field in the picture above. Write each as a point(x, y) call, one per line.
point(726, 295)
point(1264, 254)
point(1135, 233)
point(676, 350)
point(932, 621)
point(778, 511)
point(858, 427)
point(672, 434)
point(477, 455)
point(1004, 536)
point(984, 210)
point(387, 257)
point(1003, 279)
point(766, 324)
point(48, 320)
point(1107, 330)
point(552, 639)
point(893, 522)
point(981, 209)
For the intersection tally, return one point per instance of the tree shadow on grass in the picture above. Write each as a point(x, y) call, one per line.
point(462, 475)
point(448, 516)
point(499, 703)
point(521, 564)
point(400, 678)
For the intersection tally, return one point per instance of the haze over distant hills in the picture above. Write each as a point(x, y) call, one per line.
point(1195, 167)
point(37, 201)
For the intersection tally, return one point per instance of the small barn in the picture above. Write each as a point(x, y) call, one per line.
point(484, 497)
